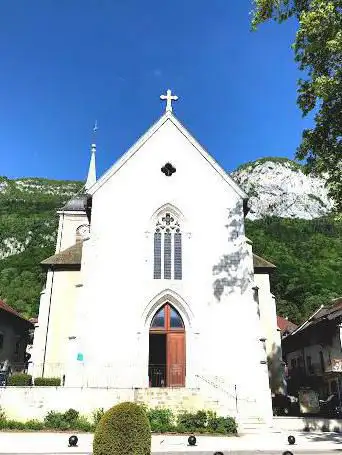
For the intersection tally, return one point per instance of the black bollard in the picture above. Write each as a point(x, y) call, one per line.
point(192, 440)
point(73, 440)
point(287, 453)
point(218, 453)
point(291, 440)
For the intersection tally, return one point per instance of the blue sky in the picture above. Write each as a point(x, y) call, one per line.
point(66, 63)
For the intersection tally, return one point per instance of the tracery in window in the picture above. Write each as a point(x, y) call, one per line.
point(167, 248)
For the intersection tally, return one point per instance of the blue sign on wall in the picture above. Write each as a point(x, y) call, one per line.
point(80, 356)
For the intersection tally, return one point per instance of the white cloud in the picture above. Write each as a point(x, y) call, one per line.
point(157, 72)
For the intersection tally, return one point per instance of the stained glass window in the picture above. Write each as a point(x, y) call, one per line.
point(157, 255)
point(159, 319)
point(175, 319)
point(167, 255)
point(167, 248)
point(167, 318)
point(178, 256)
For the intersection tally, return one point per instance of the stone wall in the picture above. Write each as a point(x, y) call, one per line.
point(25, 403)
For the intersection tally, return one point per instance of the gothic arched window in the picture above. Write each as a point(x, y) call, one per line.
point(167, 248)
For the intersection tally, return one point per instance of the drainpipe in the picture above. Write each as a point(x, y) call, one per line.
point(48, 322)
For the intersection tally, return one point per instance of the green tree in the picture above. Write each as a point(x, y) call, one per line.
point(308, 256)
point(318, 51)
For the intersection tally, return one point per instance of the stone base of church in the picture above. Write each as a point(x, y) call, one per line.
point(25, 403)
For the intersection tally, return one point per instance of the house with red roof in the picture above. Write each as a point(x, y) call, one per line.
point(15, 332)
point(285, 326)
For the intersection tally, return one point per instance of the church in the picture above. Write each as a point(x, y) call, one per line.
point(154, 284)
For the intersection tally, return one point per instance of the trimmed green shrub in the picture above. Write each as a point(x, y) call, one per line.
point(71, 416)
point(82, 424)
point(62, 420)
point(14, 425)
point(123, 430)
point(56, 421)
point(2, 419)
point(189, 422)
point(3, 424)
point(34, 425)
point(20, 379)
point(44, 382)
point(97, 415)
point(205, 422)
point(222, 425)
point(161, 420)
point(2, 414)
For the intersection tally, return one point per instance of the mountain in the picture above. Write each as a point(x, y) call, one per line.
point(28, 227)
point(307, 252)
point(278, 187)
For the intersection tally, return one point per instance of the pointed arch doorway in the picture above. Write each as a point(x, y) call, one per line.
point(167, 349)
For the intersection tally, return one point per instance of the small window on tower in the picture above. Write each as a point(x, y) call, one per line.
point(82, 232)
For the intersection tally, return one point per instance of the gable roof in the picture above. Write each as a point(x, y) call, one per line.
point(261, 263)
point(76, 204)
point(70, 256)
point(323, 313)
point(12, 311)
point(168, 116)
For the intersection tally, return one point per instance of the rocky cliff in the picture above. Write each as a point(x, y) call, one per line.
point(279, 187)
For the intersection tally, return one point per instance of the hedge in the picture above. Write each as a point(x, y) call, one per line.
point(47, 382)
point(160, 420)
point(20, 379)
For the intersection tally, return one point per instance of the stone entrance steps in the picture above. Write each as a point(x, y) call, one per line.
point(253, 425)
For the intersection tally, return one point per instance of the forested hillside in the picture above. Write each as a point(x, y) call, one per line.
point(28, 226)
point(308, 253)
point(308, 256)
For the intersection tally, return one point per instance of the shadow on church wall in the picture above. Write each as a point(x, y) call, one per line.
point(276, 370)
point(233, 271)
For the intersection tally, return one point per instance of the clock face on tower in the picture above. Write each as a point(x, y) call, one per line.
point(83, 231)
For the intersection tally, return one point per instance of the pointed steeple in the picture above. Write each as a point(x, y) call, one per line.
point(91, 179)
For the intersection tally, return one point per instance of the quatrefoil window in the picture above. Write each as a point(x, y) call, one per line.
point(168, 169)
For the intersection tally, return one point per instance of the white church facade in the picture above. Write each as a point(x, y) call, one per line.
point(153, 282)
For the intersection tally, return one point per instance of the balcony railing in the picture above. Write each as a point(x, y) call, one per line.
point(159, 375)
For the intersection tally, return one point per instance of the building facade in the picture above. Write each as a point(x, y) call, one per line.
point(154, 283)
point(15, 333)
point(313, 352)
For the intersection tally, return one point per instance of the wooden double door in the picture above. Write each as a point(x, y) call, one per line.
point(167, 363)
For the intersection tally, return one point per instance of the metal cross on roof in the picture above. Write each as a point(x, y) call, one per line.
point(169, 98)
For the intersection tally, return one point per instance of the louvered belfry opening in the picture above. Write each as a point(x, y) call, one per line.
point(167, 248)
